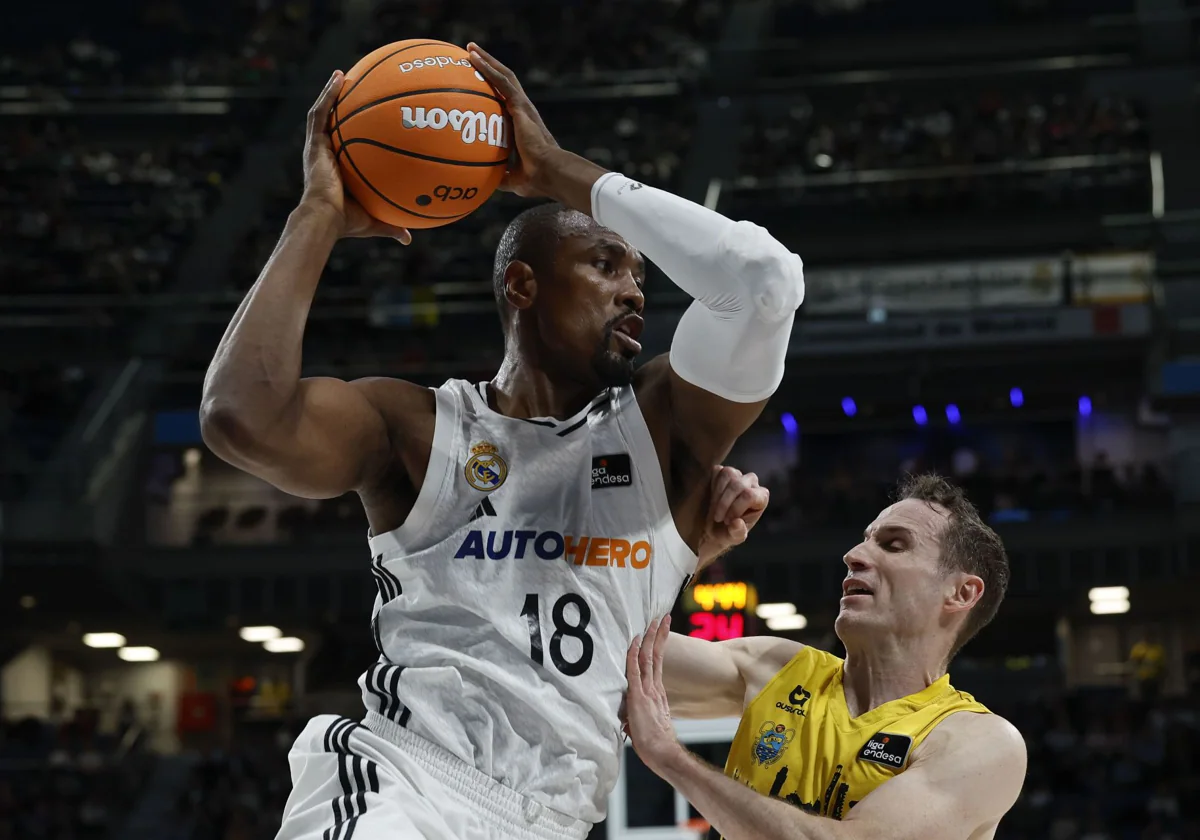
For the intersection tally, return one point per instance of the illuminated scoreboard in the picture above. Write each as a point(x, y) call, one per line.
point(718, 611)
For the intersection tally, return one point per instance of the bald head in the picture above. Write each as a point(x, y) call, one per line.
point(533, 238)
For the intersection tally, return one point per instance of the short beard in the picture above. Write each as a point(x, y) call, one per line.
point(613, 370)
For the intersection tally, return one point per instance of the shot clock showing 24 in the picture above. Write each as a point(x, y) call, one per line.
point(718, 611)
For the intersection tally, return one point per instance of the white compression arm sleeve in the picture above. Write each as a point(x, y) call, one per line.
point(747, 286)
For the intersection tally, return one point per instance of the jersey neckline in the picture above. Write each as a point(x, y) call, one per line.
point(561, 428)
point(885, 711)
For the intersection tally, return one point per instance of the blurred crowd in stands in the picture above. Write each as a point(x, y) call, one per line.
point(1104, 767)
point(78, 214)
point(1018, 490)
point(64, 781)
point(572, 41)
point(239, 793)
point(166, 42)
point(799, 18)
point(886, 131)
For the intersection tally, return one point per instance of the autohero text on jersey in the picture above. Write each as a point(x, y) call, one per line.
point(551, 545)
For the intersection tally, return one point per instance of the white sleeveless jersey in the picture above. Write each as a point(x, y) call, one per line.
point(536, 550)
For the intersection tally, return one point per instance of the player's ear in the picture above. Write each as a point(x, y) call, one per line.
point(966, 592)
point(520, 286)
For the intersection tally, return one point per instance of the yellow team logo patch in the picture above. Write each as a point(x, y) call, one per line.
point(485, 470)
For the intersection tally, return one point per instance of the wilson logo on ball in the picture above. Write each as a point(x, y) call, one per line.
point(475, 126)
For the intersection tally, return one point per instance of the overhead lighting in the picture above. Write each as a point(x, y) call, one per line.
point(287, 644)
point(138, 654)
point(104, 640)
point(1116, 606)
point(27, 602)
point(1109, 600)
point(787, 622)
point(260, 634)
point(774, 610)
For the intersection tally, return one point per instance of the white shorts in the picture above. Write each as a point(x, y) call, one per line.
point(350, 783)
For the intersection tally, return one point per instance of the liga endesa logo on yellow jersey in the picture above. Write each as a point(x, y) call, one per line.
point(551, 545)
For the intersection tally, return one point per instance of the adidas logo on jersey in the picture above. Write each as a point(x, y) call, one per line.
point(551, 545)
point(484, 508)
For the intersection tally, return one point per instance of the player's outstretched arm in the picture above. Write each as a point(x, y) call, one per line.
point(715, 679)
point(309, 437)
point(961, 782)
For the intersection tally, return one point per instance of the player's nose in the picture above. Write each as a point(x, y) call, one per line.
point(856, 558)
point(631, 297)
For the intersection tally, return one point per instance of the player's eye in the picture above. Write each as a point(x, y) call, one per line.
point(894, 545)
point(605, 265)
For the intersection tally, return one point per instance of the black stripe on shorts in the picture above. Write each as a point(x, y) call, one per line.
point(357, 776)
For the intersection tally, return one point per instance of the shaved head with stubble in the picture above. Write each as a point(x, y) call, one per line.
point(569, 293)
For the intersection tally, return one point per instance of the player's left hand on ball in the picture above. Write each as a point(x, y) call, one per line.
point(738, 502)
point(647, 716)
point(532, 139)
point(323, 185)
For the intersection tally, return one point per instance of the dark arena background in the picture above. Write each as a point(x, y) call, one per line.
point(998, 204)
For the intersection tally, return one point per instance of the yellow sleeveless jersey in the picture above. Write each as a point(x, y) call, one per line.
point(797, 741)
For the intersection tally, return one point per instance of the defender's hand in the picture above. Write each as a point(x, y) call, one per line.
point(738, 502)
point(533, 141)
point(323, 187)
point(647, 715)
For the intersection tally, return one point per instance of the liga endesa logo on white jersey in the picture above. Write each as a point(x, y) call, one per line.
point(474, 126)
point(551, 545)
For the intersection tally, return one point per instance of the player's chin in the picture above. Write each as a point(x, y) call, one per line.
point(614, 369)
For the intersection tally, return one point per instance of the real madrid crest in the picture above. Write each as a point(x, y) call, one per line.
point(485, 470)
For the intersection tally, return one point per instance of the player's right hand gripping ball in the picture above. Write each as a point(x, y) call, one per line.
point(421, 138)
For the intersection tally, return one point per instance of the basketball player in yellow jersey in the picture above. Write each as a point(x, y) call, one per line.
point(879, 745)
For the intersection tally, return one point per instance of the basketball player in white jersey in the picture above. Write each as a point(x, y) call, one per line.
point(523, 530)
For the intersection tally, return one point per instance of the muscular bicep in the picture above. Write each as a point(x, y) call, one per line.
point(324, 444)
point(712, 679)
point(701, 678)
point(959, 788)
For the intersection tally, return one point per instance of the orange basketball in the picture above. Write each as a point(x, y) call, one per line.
point(421, 137)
